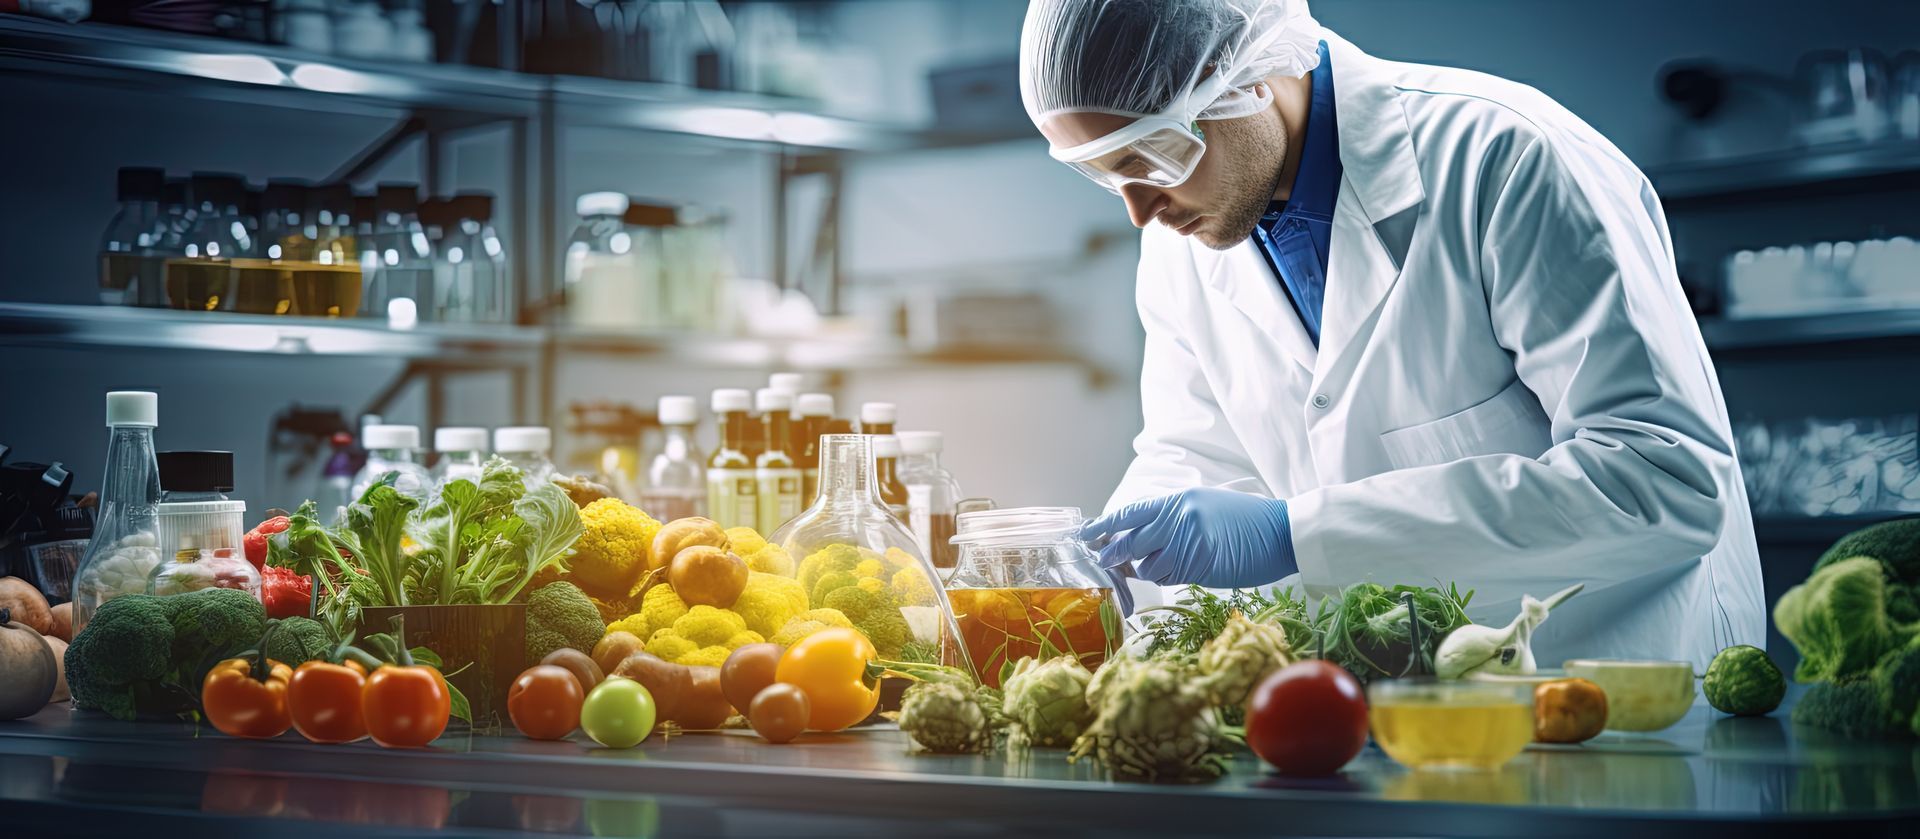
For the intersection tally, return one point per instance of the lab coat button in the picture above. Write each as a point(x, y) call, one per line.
point(1320, 400)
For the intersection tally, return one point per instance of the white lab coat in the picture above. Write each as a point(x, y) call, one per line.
point(1509, 392)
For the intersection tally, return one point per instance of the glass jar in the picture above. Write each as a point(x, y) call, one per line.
point(848, 531)
point(124, 549)
point(1026, 586)
point(201, 541)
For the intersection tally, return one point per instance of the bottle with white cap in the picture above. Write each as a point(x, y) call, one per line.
point(125, 545)
point(886, 478)
point(603, 285)
point(781, 481)
point(878, 417)
point(528, 448)
point(789, 383)
point(813, 412)
point(676, 477)
point(395, 450)
point(932, 495)
point(733, 489)
point(461, 450)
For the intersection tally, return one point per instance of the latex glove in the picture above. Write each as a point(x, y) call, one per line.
point(1217, 538)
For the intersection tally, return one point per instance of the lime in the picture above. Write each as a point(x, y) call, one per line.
point(1744, 682)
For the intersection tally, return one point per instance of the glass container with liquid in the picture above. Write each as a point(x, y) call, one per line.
point(813, 412)
point(329, 283)
point(131, 262)
point(125, 545)
point(469, 265)
point(932, 494)
point(215, 250)
point(402, 257)
point(1425, 723)
point(775, 469)
point(677, 475)
point(602, 286)
point(886, 463)
point(733, 489)
point(1025, 585)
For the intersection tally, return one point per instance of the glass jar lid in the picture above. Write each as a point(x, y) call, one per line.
point(1017, 526)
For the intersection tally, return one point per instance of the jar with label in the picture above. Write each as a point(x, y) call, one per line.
point(1025, 585)
point(932, 494)
point(849, 535)
point(776, 472)
point(733, 489)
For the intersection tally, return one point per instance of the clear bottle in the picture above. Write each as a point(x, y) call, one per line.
point(1025, 585)
point(469, 272)
point(775, 470)
point(329, 284)
point(393, 449)
point(462, 451)
point(131, 261)
point(848, 525)
point(195, 476)
point(886, 461)
point(402, 264)
point(125, 545)
point(529, 448)
point(177, 215)
point(676, 477)
point(336, 479)
point(815, 414)
point(204, 277)
point(932, 494)
point(732, 487)
point(603, 287)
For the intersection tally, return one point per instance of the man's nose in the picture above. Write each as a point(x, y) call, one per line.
point(1143, 203)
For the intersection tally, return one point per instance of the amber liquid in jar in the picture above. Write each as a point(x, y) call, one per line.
point(940, 530)
point(204, 285)
point(327, 291)
point(1000, 626)
point(261, 287)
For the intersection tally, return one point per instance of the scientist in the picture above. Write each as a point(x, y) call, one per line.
point(1404, 324)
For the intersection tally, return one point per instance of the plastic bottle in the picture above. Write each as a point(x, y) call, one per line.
point(131, 263)
point(732, 487)
point(125, 545)
point(402, 267)
point(329, 284)
point(461, 451)
point(780, 480)
point(469, 272)
point(336, 479)
point(195, 476)
point(886, 458)
point(393, 448)
point(676, 477)
point(603, 286)
point(528, 448)
point(814, 412)
point(932, 494)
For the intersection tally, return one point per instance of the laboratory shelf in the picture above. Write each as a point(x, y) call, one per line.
point(67, 326)
point(1819, 530)
point(1800, 330)
point(1790, 173)
point(825, 353)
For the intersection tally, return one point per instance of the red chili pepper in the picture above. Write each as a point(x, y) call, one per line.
point(285, 593)
point(256, 539)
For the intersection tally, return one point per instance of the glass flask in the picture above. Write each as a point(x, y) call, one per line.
point(202, 544)
point(125, 546)
point(848, 532)
point(1025, 585)
point(602, 285)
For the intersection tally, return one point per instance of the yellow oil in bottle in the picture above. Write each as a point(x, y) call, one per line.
point(1000, 626)
point(199, 284)
point(126, 278)
point(325, 290)
point(261, 287)
point(1442, 734)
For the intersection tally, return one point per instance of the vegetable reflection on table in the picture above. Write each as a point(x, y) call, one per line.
point(381, 803)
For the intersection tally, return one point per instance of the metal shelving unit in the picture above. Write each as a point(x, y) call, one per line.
point(1790, 173)
point(1725, 334)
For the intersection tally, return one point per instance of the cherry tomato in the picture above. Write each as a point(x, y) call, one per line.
point(1309, 718)
point(405, 706)
point(618, 713)
point(242, 704)
point(325, 701)
point(747, 672)
point(780, 712)
point(544, 702)
point(830, 666)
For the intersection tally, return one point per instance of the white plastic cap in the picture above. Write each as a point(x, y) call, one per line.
point(886, 445)
point(728, 400)
point(767, 399)
point(133, 408)
point(390, 437)
point(788, 382)
point(814, 405)
point(522, 438)
point(679, 410)
point(881, 413)
point(921, 442)
point(459, 439)
point(600, 204)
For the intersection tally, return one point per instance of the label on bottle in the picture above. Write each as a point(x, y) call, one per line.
point(920, 515)
point(779, 497)
point(733, 497)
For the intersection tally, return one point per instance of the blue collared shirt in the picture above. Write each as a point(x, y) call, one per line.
point(1295, 234)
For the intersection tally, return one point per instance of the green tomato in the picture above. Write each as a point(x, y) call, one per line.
point(1744, 682)
point(618, 713)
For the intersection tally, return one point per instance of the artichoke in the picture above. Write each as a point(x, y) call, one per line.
point(1152, 721)
point(1239, 657)
point(1048, 701)
point(945, 718)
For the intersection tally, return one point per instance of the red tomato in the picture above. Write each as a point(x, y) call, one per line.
point(544, 703)
point(405, 706)
point(1309, 718)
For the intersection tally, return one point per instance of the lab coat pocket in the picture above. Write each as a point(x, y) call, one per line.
point(1511, 422)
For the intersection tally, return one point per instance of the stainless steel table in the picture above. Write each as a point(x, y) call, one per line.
point(85, 774)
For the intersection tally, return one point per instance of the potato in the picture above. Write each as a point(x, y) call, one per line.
point(748, 671)
point(614, 647)
point(581, 665)
point(63, 622)
point(60, 693)
point(709, 576)
point(680, 534)
point(669, 683)
point(705, 704)
point(29, 606)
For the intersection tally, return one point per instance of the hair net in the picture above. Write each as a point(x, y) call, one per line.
point(1139, 57)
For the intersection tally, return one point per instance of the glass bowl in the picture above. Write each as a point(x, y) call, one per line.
point(1641, 695)
point(1432, 724)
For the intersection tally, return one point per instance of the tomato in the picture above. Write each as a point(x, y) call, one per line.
point(243, 704)
point(779, 713)
point(1309, 718)
point(618, 713)
point(324, 699)
point(544, 702)
point(747, 672)
point(405, 706)
point(830, 666)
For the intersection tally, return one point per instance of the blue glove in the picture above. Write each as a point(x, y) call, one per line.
point(1217, 538)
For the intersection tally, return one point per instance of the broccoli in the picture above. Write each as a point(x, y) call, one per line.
point(296, 641)
point(144, 654)
point(561, 615)
point(1838, 620)
point(1897, 679)
point(1851, 709)
point(1896, 546)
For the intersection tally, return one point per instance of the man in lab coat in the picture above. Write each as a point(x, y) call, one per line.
point(1405, 324)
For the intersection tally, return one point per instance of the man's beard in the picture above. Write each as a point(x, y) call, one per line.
point(1247, 181)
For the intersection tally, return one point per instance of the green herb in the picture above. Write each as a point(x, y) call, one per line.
point(1369, 630)
point(1201, 615)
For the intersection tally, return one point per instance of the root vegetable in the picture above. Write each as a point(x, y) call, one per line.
point(28, 605)
point(680, 534)
point(668, 683)
point(709, 576)
point(614, 648)
point(582, 666)
point(705, 705)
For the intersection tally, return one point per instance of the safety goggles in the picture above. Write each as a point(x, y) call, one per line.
point(1159, 150)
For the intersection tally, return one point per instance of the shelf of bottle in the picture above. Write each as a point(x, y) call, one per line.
point(1731, 334)
point(1779, 528)
point(1788, 173)
point(824, 353)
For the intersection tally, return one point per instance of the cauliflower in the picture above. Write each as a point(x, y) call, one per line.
point(705, 657)
point(770, 559)
point(870, 568)
point(830, 560)
point(703, 636)
point(871, 585)
point(709, 626)
point(769, 601)
point(612, 552)
point(745, 540)
point(670, 647)
point(875, 614)
point(910, 586)
point(809, 622)
point(742, 639)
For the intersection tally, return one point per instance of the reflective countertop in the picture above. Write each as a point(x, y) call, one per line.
point(66, 770)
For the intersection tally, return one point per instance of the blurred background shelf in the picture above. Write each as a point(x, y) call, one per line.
point(69, 326)
point(1820, 530)
point(1728, 334)
point(1791, 173)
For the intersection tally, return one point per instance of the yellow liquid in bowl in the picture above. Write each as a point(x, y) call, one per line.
point(1434, 735)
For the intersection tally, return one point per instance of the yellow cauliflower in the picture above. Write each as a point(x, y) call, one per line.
point(769, 601)
point(708, 626)
point(745, 540)
point(912, 588)
point(869, 568)
point(659, 608)
point(705, 657)
point(612, 551)
point(771, 559)
point(809, 622)
point(832, 559)
point(743, 639)
point(635, 624)
point(669, 646)
point(871, 585)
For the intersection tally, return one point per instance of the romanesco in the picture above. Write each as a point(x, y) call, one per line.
point(911, 587)
point(612, 552)
point(875, 615)
point(769, 601)
point(871, 585)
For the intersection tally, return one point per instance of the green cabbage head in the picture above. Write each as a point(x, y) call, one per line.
point(1838, 620)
